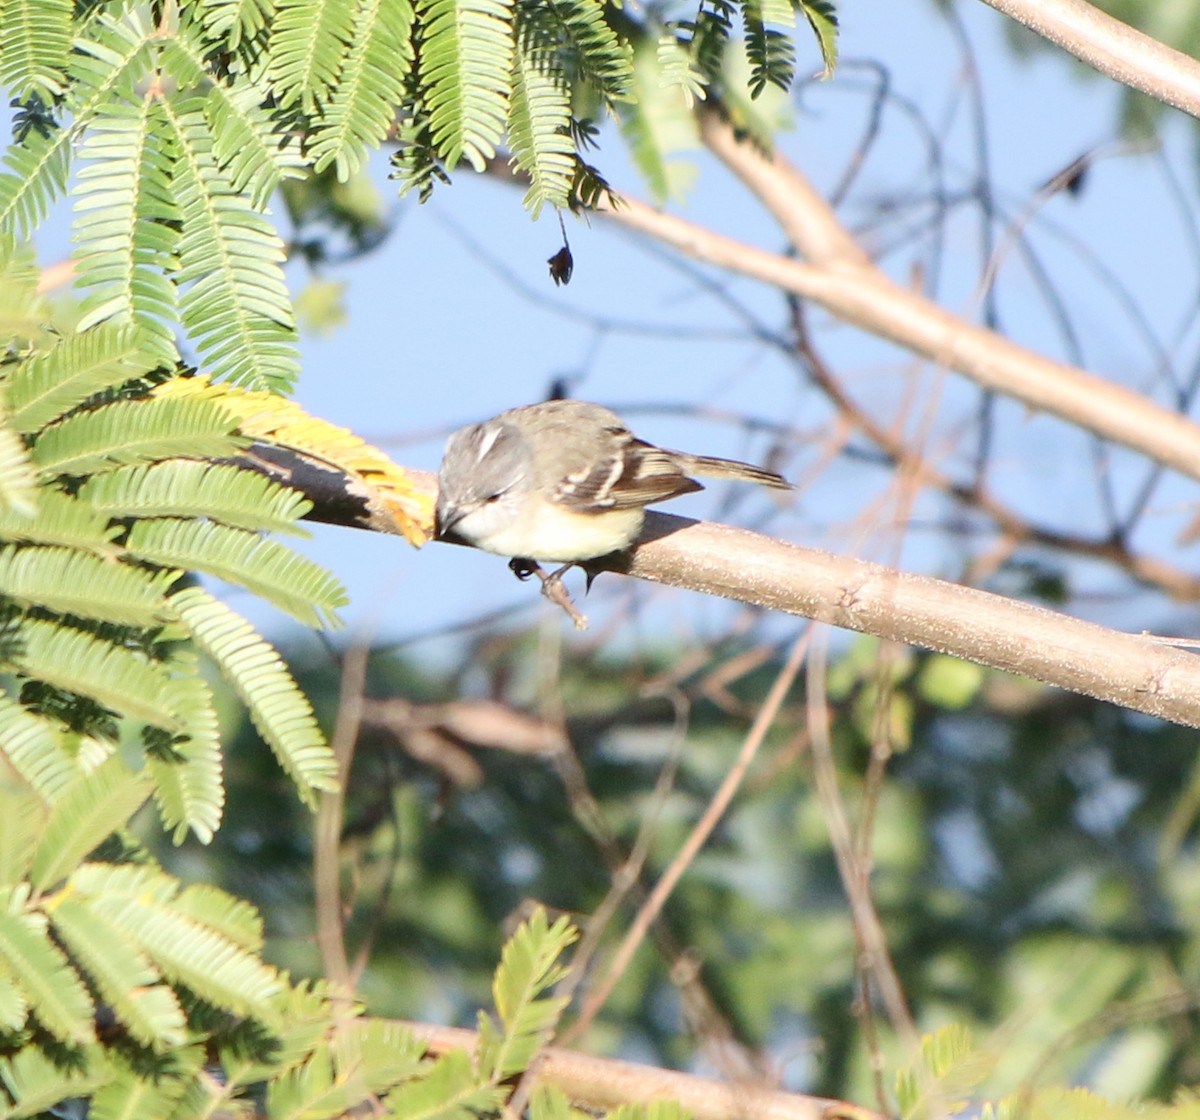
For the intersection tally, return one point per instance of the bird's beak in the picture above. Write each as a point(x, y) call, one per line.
point(445, 517)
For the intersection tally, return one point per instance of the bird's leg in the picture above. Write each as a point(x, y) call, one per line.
point(552, 586)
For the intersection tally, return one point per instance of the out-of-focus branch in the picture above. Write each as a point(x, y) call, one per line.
point(1112, 47)
point(1134, 671)
point(606, 1083)
point(863, 295)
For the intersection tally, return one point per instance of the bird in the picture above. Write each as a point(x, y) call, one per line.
point(563, 481)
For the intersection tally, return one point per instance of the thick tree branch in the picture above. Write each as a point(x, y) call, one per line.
point(1112, 47)
point(1134, 671)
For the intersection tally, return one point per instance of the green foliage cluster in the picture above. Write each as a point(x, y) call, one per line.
point(1034, 864)
point(175, 124)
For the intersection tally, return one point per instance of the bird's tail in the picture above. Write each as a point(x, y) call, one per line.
point(708, 466)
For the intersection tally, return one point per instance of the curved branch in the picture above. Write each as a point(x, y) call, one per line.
point(1113, 48)
point(863, 295)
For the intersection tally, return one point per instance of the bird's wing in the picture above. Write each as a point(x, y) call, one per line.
point(625, 473)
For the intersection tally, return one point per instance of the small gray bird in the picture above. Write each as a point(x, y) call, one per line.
point(563, 481)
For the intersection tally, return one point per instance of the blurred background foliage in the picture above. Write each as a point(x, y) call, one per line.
point(1034, 859)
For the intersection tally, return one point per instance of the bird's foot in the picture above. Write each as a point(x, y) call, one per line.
point(552, 586)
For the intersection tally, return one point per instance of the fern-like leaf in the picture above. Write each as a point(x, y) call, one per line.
point(103, 63)
point(37, 36)
point(183, 950)
point(23, 309)
point(657, 126)
point(361, 108)
point(235, 302)
point(277, 706)
point(229, 916)
point(539, 120)
point(126, 227)
point(124, 977)
point(24, 815)
point(90, 810)
point(138, 431)
point(528, 966)
point(37, 749)
point(291, 582)
point(309, 40)
point(37, 175)
point(451, 1090)
point(190, 488)
point(18, 482)
point(116, 677)
point(236, 21)
point(56, 379)
point(37, 1083)
point(590, 50)
point(772, 53)
point(466, 57)
point(189, 786)
point(78, 583)
point(253, 148)
point(60, 519)
point(56, 995)
point(822, 18)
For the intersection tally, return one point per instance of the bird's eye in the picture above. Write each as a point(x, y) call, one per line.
point(492, 498)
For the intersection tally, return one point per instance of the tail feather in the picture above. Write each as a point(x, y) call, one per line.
point(708, 466)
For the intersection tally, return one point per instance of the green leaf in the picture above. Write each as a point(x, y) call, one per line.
point(127, 227)
point(309, 40)
point(466, 58)
point(24, 815)
point(137, 431)
point(187, 952)
point(277, 706)
point(772, 53)
point(361, 109)
point(70, 582)
point(657, 126)
point(36, 748)
point(18, 483)
point(218, 910)
point(121, 679)
point(539, 123)
point(60, 519)
point(55, 380)
point(822, 18)
point(235, 303)
point(37, 36)
point(36, 1082)
point(236, 21)
point(56, 995)
point(125, 979)
point(23, 309)
point(190, 488)
point(378, 1053)
point(14, 1008)
point(187, 772)
point(528, 966)
point(90, 810)
point(451, 1090)
point(282, 577)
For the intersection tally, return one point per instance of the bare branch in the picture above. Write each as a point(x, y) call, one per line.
point(607, 1083)
point(1134, 671)
point(862, 294)
point(1114, 48)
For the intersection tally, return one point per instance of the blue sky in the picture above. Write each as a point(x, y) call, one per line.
point(454, 318)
